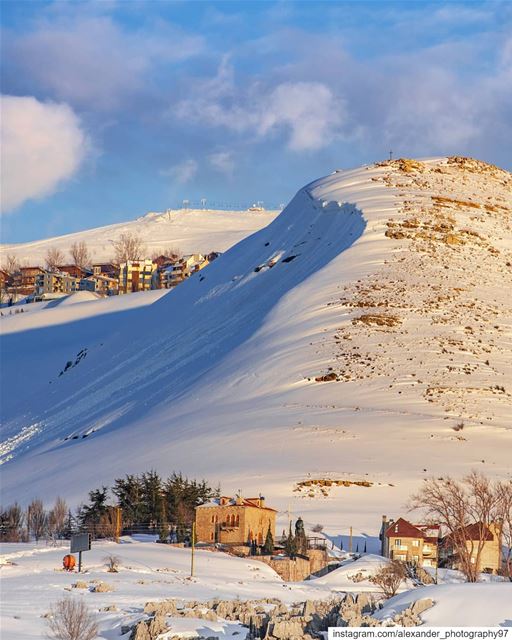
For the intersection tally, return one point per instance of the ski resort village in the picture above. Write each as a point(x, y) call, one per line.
point(256, 320)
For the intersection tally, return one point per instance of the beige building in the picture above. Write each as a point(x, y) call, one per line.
point(55, 283)
point(182, 269)
point(136, 275)
point(490, 555)
point(235, 521)
point(414, 543)
point(103, 285)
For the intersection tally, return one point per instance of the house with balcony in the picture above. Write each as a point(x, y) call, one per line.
point(417, 544)
point(484, 543)
point(24, 280)
point(103, 285)
point(108, 269)
point(182, 269)
point(235, 521)
point(136, 275)
point(55, 284)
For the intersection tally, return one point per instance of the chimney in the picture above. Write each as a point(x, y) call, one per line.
point(262, 501)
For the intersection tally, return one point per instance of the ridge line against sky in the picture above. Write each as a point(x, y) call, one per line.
point(112, 109)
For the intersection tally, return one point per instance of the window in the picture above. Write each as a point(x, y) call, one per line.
point(213, 519)
point(415, 543)
point(398, 542)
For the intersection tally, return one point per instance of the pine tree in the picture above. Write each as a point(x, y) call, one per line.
point(300, 537)
point(290, 545)
point(268, 547)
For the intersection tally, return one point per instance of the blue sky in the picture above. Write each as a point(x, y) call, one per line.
point(115, 108)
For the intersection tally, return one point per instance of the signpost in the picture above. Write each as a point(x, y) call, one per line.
point(80, 542)
point(193, 549)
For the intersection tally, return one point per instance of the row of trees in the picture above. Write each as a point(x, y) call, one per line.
point(147, 503)
point(19, 525)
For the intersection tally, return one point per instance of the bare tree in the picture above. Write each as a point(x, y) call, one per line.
point(466, 510)
point(36, 519)
point(54, 258)
point(80, 254)
point(70, 619)
point(11, 266)
point(505, 497)
point(390, 577)
point(129, 246)
point(57, 518)
point(113, 563)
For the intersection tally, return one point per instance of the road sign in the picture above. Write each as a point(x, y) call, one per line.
point(80, 542)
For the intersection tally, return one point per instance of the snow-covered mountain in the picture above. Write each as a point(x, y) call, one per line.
point(190, 230)
point(364, 336)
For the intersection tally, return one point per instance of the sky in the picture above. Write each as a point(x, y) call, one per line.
point(114, 108)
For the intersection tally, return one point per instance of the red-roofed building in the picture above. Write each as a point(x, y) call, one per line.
point(482, 541)
point(407, 542)
point(235, 521)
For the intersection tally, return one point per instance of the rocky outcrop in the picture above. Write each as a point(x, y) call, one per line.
point(302, 621)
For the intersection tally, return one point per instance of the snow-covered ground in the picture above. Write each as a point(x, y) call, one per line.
point(459, 605)
point(32, 580)
point(190, 230)
point(370, 272)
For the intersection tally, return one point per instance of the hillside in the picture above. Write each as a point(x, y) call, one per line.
point(189, 230)
point(362, 338)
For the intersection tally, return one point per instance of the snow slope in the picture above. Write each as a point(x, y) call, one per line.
point(189, 230)
point(393, 278)
point(460, 605)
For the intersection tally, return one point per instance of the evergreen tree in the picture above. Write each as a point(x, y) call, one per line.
point(128, 492)
point(163, 525)
point(290, 545)
point(151, 497)
point(268, 547)
point(300, 537)
point(90, 515)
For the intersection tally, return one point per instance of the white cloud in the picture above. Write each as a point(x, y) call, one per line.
point(223, 161)
point(308, 109)
point(182, 172)
point(43, 144)
point(309, 112)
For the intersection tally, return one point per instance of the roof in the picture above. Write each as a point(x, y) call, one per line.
point(232, 502)
point(404, 529)
point(472, 532)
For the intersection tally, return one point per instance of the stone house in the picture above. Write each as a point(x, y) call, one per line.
point(491, 554)
point(407, 542)
point(235, 521)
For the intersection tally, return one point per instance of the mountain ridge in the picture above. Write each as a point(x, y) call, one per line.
point(364, 279)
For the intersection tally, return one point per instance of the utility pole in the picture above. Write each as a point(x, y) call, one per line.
point(193, 549)
point(391, 155)
point(350, 541)
point(118, 523)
